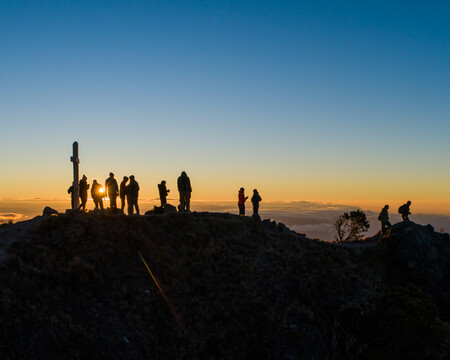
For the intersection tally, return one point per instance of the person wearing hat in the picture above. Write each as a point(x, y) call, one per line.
point(241, 201)
point(83, 187)
point(255, 201)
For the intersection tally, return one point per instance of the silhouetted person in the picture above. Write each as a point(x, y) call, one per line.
point(83, 188)
point(163, 192)
point(404, 211)
point(97, 193)
point(123, 192)
point(132, 196)
point(72, 199)
point(255, 201)
point(185, 189)
point(384, 219)
point(241, 203)
point(112, 189)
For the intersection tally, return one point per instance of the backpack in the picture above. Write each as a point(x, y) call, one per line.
point(401, 209)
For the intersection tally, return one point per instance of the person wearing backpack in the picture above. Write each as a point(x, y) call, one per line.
point(70, 191)
point(185, 189)
point(97, 193)
point(404, 211)
point(384, 219)
point(255, 201)
point(83, 187)
point(163, 192)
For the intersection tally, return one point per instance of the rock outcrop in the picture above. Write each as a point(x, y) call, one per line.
point(418, 255)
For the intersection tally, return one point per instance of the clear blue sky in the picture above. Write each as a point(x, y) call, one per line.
point(302, 99)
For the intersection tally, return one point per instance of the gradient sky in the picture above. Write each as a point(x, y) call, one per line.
point(333, 101)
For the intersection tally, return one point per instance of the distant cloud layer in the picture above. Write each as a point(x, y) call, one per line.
point(7, 217)
point(314, 219)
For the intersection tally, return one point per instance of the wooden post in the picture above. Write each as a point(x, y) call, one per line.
point(76, 161)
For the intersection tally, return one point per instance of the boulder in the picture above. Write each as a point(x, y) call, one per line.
point(48, 211)
point(417, 254)
point(256, 217)
point(283, 228)
point(169, 209)
point(269, 224)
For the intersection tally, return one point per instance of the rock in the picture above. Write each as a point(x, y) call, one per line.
point(283, 228)
point(256, 217)
point(169, 209)
point(48, 211)
point(417, 254)
point(158, 210)
point(269, 224)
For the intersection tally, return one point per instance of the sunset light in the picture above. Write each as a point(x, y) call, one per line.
point(225, 179)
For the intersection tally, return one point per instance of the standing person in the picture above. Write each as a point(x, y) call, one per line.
point(83, 187)
point(185, 189)
point(404, 211)
point(163, 192)
point(123, 192)
point(97, 192)
point(112, 190)
point(241, 203)
point(255, 201)
point(384, 219)
point(132, 196)
point(70, 191)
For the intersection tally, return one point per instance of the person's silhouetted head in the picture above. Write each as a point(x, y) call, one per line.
point(111, 174)
point(94, 181)
point(241, 189)
point(255, 191)
point(386, 207)
point(131, 177)
point(183, 173)
point(409, 202)
point(125, 178)
point(84, 177)
point(163, 182)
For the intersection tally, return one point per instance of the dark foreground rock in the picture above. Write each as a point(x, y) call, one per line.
point(417, 254)
point(75, 286)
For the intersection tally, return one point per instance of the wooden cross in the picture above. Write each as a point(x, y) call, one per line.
point(76, 162)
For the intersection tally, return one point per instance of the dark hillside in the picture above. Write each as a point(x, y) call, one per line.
point(74, 286)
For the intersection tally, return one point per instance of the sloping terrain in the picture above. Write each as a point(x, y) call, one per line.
point(75, 286)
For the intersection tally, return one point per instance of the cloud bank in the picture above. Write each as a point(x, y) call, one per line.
point(314, 219)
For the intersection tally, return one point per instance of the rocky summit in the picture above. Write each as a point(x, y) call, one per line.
point(218, 286)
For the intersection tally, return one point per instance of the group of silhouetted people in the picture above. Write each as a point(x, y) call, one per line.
point(383, 217)
point(256, 198)
point(129, 193)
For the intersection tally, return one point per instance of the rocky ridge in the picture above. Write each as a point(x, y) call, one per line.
point(75, 286)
